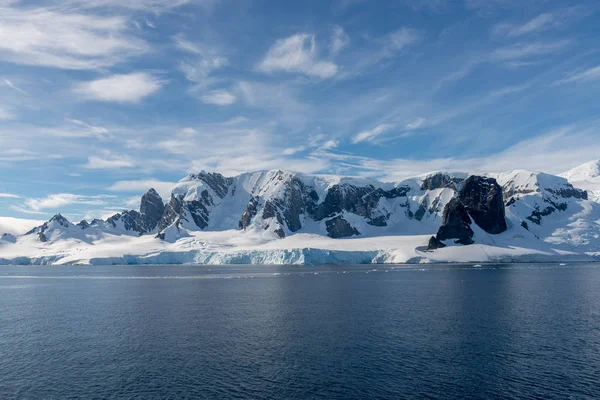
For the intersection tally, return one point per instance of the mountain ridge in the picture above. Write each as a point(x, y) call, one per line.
point(530, 209)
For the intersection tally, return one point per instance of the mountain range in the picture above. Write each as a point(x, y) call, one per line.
point(287, 217)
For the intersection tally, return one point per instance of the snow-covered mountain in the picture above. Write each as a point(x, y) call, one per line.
point(587, 177)
point(287, 217)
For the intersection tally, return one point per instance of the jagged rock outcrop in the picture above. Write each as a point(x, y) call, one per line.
point(152, 209)
point(435, 243)
point(338, 227)
point(83, 224)
point(482, 198)
point(8, 238)
point(480, 201)
point(456, 223)
point(441, 180)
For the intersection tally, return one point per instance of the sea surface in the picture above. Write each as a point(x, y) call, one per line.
point(288, 332)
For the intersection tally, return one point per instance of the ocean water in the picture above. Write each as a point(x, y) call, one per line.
point(332, 332)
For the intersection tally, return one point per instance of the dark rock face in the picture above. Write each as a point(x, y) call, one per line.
point(456, 223)
point(250, 213)
point(131, 219)
point(172, 213)
point(297, 200)
point(151, 210)
point(7, 237)
point(482, 198)
point(83, 224)
point(217, 182)
point(361, 201)
point(434, 244)
point(338, 227)
point(479, 199)
point(439, 181)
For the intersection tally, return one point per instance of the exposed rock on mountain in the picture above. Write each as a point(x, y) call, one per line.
point(479, 200)
point(338, 227)
point(151, 210)
point(482, 198)
point(8, 238)
point(517, 208)
point(456, 223)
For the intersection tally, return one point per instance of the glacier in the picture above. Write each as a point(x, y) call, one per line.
point(284, 217)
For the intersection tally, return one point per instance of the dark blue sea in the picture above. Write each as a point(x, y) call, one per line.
point(330, 332)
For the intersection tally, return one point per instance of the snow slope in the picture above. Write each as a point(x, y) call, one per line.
point(586, 177)
point(282, 217)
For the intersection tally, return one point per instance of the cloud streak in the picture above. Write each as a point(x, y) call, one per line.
point(297, 54)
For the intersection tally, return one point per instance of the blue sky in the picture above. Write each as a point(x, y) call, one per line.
point(102, 99)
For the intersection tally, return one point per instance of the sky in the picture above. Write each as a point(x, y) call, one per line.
point(102, 99)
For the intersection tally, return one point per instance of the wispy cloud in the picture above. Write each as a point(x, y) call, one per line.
point(57, 200)
point(219, 98)
point(129, 88)
point(372, 133)
point(51, 38)
point(148, 5)
point(11, 85)
point(416, 124)
point(588, 75)
point(143, 185)
point(297, 53)
point(109, 161)
point(521, 51)
point(339, 40)
point(540, 23)
point(9, 196)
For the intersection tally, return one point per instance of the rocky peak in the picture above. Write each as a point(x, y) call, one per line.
point(479, 200)
point(7, 237)
point(60, 220)
point(439, 180)
point(482, 198)
point(83, 224)
point(151, 210)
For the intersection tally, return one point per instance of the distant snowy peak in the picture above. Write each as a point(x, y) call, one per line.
point(584, 172)
point(523, 182)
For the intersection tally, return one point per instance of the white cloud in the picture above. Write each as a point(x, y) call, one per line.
point(372, 133)
point(148, 5)
point(57, 200)
point(109, 162)
point(17, 226)
point(9, 196)
point(189, 47)
point(297, 53)
point(526, 50)
point(339, 40)
point(510, 90)
point(199, 70)
point(588, 75)
point(401, 39)
point(90, 130)
point(218, 97)
point(416, 124)
point(51, 38)
point(553, 152)
point(142, 186)
point(129, 88)
point(11, 85)
point(330, 144)
point(537, 24)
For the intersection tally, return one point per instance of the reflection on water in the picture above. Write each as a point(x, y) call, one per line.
point(300, 332)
